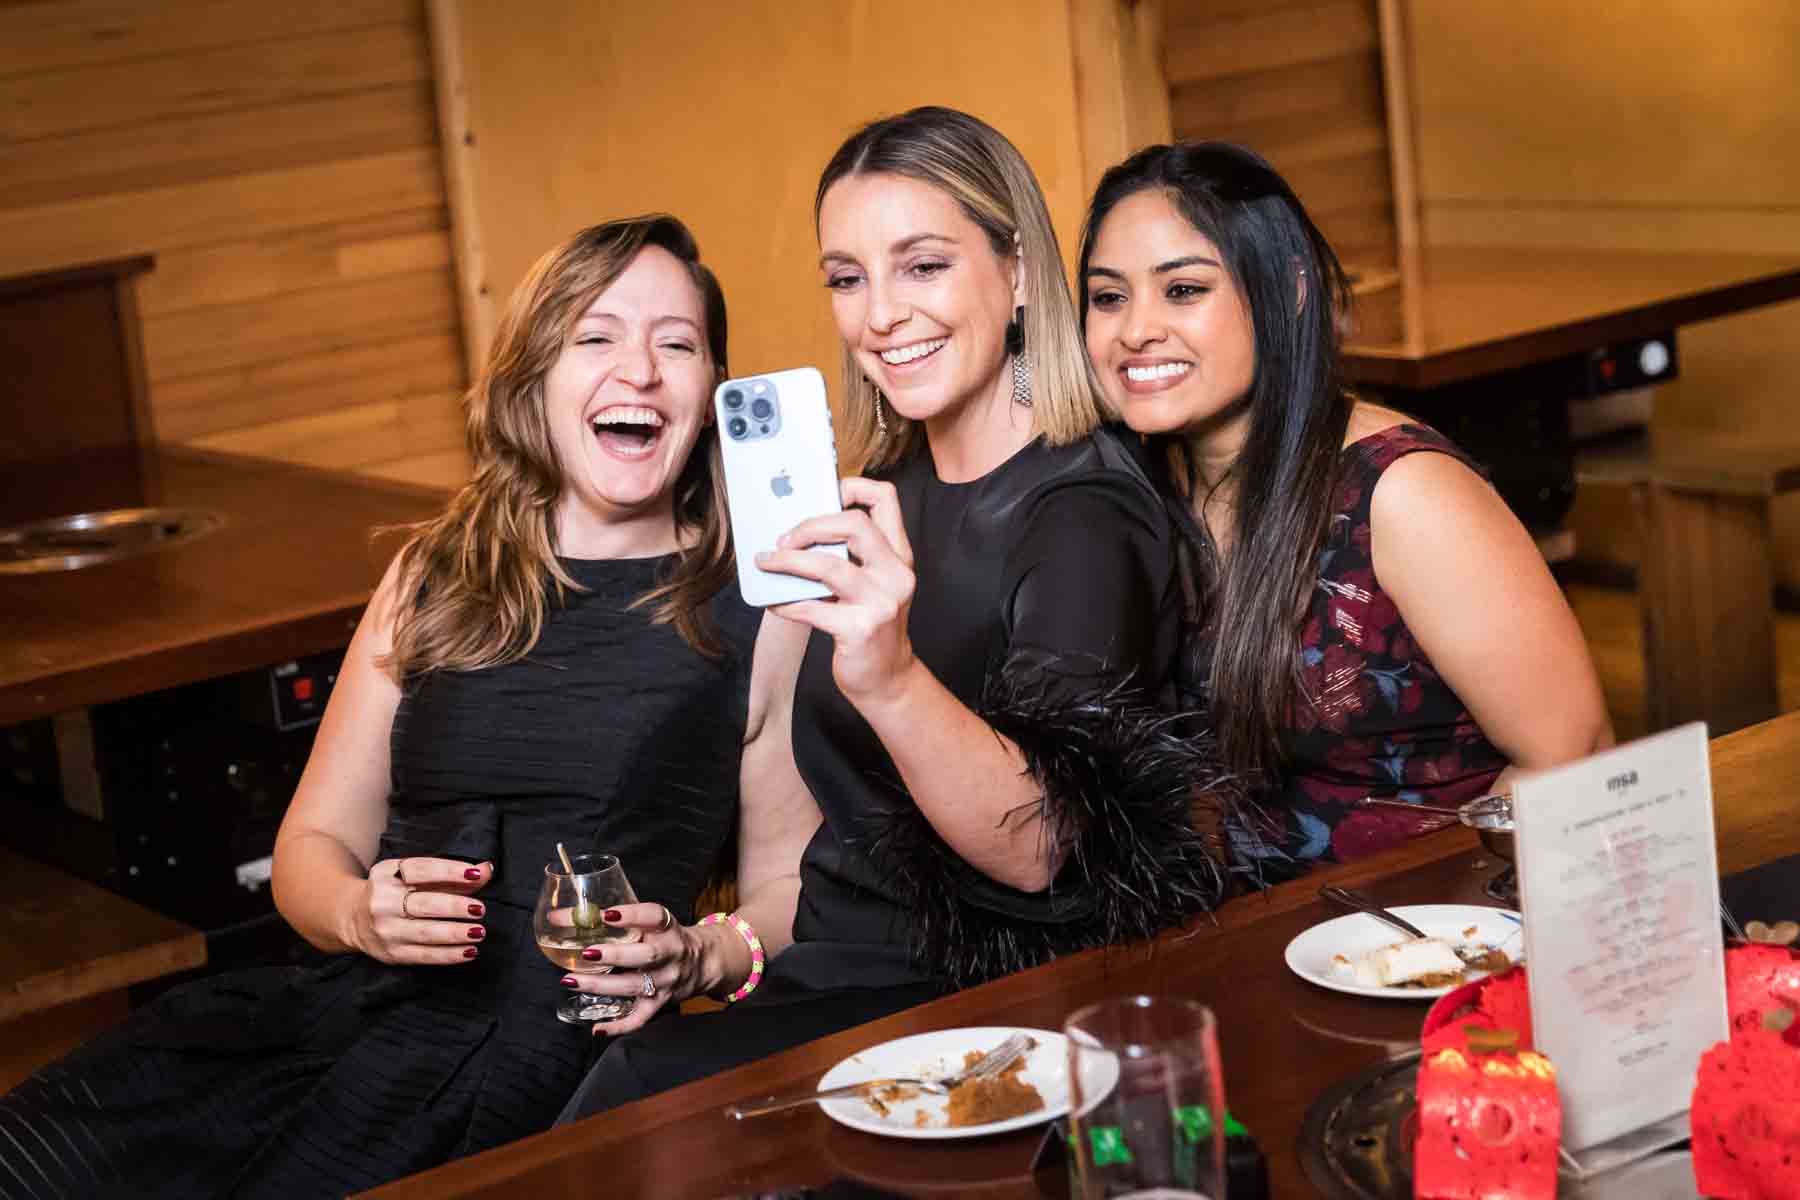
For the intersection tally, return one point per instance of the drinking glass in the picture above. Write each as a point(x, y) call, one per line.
point(1147, 1100)
point(567, 921)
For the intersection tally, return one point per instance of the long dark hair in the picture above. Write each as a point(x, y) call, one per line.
point(476, 581)
point(1249, 602)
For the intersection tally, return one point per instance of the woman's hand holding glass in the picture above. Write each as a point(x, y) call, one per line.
point(664, 963)
point(420, 911)
point(871, 651)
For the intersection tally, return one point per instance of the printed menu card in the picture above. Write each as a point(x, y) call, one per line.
point(1619, 887)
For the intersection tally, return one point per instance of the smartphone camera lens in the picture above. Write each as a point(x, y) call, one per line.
point(737, 427)
point(734, 399)
point(761, 409)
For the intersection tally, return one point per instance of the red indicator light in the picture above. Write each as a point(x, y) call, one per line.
point(303, 688)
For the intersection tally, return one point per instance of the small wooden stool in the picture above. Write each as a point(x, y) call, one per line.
point(1706, 577)
point(68, 951)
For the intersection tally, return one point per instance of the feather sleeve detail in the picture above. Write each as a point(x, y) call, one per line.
point(1121, 782)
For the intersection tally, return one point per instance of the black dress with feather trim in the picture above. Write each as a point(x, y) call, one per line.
point(329, 1079)
point(1047, 602)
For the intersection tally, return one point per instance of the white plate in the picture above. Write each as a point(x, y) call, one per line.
point(1310, 955)
point(933, 1055)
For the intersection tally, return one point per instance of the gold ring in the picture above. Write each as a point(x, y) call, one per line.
point(404, 897)
point(668, 921)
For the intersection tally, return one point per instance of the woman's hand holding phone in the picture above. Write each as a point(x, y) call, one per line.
point(780, 468)
point(871, 650)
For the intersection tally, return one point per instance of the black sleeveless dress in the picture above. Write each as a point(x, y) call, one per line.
point(302, 1081)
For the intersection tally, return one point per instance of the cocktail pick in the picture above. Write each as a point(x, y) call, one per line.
point(564, 855)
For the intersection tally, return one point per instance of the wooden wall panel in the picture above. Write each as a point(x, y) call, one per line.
point(578, 113)
point(56, 34)
point(1121, 92)
point(1679, 133)
point(198, 405)
point(281, 162)
point(218, 338)
point(145, 91)
point(235, 142)
point(1298, 81)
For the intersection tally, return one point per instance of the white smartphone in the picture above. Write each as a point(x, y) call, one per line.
point(780, 469)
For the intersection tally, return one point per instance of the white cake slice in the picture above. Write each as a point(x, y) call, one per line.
point(1404, 962)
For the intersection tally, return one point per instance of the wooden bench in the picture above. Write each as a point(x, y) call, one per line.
point(68, 951)
point(1706, 576)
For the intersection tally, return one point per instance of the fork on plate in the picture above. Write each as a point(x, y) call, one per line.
point(1471, 953)
point(985, 1067)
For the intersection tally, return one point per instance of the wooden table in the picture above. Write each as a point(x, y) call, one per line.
point(287, 575)
point(1460, 313)
point(1469, 335)
point(1283, 1040)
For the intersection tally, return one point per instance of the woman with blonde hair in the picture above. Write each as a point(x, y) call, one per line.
point(561, 657)
point(976, 712)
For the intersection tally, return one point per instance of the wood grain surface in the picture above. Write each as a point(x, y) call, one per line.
point(1283, 1041)
point(287, 575)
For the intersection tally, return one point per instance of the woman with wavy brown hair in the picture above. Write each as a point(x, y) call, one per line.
point(562, 656)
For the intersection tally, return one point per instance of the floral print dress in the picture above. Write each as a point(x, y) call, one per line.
point(1377, 718)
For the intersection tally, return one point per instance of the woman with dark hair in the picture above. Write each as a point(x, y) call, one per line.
point(976, 712)
point(1367, 618)
point(561, 657)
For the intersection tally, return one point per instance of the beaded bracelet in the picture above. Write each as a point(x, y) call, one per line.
point(756, 950)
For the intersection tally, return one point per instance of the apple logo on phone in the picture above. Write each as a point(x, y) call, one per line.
point(781, 485)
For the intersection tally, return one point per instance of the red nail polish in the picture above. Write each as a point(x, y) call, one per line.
point(568, 980)
point(592, 953)
point(471, 952)
point(610, 915)
point(476, 933)
point(472, 873)
point(475, 910)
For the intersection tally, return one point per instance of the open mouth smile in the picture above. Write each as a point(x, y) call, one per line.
point(628, 431)
point(900, 356)
point(1154, 377)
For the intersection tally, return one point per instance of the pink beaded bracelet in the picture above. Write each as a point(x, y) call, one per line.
point(756, 950)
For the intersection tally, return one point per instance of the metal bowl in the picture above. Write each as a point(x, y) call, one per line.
point(88, 539)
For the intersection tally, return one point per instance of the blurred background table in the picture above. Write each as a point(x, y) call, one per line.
point(1506, 350)
point(154, 719)
point(1283, 1040)
point(286, 574)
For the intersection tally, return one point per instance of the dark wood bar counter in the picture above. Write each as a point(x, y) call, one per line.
point(1283, 1040)
point(1462, 312)
point(286, 574)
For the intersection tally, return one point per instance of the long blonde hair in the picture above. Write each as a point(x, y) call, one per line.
point(990, 180)
point(476, 581)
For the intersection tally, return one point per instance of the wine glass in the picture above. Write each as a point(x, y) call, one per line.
point(568, 920)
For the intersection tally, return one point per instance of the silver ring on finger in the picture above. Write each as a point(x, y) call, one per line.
point(404, 897)
point(668, 921)
point(649, 987)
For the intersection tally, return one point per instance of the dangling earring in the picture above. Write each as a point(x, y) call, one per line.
point(881, 425)
point(1021, 362)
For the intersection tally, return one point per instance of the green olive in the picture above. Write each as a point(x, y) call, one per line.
point(587, 916)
